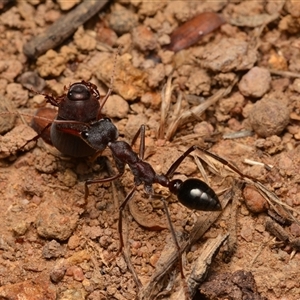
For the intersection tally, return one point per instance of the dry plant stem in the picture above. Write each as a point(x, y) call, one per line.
point(268, 195)
point(257, 163)
point(165, 106)
point(111, 87)
point(259, 251)
point(284, 73)
point(204, 222)
point(238, 134)
point(210, 162)
point(62, 28)
point(281, 234)
point(273, 199)
point(174, 237)
point(277, 230)
point(233, 224)
point(202, 264)
point(195, 112)
point(201, 169)
point(126, 254)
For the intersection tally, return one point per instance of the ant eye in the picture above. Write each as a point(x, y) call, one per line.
point(78, 92)
point(85, 134)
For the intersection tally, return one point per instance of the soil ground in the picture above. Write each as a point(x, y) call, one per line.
point(235, 92)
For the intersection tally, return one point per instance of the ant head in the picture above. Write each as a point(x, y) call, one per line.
point(195, 194)
point(98, 134)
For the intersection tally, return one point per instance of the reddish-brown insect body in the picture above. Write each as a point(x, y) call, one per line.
point(79, 104)
point(40, 123)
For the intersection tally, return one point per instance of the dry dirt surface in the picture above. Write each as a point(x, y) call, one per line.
point(222, 75)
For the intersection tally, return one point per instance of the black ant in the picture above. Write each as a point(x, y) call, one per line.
point(80, 130)
point(192, 193)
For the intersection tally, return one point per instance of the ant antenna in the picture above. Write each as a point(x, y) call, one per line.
point(110, 89)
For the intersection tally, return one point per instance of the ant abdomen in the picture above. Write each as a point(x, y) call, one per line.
point(195, 194)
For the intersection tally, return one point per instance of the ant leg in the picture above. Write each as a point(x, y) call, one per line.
point(37, 136)
point(122, 247)
point(102, 180)
point(174, 237)
point(176, 164)
point(49, 97)
point(111, 84)
point(104, 100)
point(141, 133)
point(120, 224)
point(226, 163)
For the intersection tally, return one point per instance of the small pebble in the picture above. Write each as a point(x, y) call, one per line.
point(31, 80)
point(53, 249)
point(153, 259)
point(152, 99)
point(67, 5)
point(57, 273)
point(69, 178)
point(254, 201)
point(156, 75)
point(76, 272)
point(122, 20)
point(83, 40)
point(296, 85)
point(55, 221)
point(134, 123)
point(72, 294)
point(246, 233)
point(255, 83)
point(116, 107)
point(228, 54)
point(203, 129)
point(143, 38)
point(16, 93)
point(20, 228)
point(269, 117)
point(295, 230)
point(121, 263)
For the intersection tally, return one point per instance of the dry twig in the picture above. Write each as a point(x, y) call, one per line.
point(62, 28)
point(196, 111)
